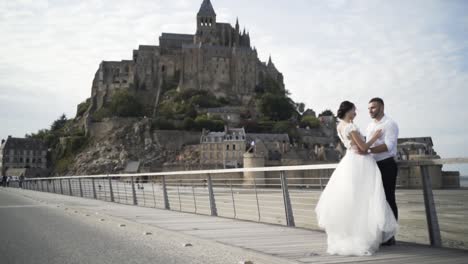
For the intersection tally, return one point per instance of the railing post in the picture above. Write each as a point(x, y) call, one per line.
point(194, 198)
point(53, 186)
point(321, 184)
point(61, 186)
point(214, 211)
point(42, 186)
point(81, 187)
point(110, 189)
point(135, 202)
point(256, 199)
point(70, 187)
point(232, 196)
point(154, 196)
point(47, 186)
point(287, 201)
point(167, 206)
point(431, 214)
point(178, 195)
point(94, 189)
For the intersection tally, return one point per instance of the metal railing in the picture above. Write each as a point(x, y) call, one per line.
point(284, 195)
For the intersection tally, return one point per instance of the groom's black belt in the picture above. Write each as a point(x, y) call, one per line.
point(387, 160)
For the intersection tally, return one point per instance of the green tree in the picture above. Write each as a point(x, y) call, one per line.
point(163, 124)
point(276, 107)
point(269, 85)
point(125, 105)
point(189, 124)
point(310, 121)
point(205, 100)
point(300, 107)
point(82, 107)
point(282, 127)
point(326, 113)
point(103, 112)
point(59, 123)
point(202, 121)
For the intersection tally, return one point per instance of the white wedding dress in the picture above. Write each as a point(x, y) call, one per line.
point(352, 208)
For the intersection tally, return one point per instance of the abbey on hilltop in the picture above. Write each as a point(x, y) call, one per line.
point(218, 58)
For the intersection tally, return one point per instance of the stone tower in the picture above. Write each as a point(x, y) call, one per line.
point(206, 24)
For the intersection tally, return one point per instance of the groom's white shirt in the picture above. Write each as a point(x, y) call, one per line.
point(389, 137)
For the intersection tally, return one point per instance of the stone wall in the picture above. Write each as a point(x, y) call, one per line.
point(99, 130)
point(411, 177)
point(451, 179)
point(175, 139)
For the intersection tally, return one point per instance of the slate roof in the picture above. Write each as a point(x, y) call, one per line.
point(267, 137)
point(24, 143)
point(206, 9)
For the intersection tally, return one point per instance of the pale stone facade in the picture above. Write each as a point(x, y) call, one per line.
point(23, 153)
point(224, 149)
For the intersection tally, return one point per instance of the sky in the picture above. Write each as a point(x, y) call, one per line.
point(413, 54)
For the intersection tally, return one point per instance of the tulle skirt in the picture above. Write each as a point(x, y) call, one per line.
point(353, 210)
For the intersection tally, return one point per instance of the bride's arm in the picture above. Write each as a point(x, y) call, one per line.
point(363, 146)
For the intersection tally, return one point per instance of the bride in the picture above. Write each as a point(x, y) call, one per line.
point(352, 209)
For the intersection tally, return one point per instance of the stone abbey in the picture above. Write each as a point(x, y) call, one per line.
point(218, 58)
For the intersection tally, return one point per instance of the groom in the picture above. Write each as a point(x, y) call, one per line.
point(384, 151)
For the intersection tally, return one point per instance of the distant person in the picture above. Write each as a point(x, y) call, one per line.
point(8, 181)
point(21, 180)
point(352, 208)
point(4, 180)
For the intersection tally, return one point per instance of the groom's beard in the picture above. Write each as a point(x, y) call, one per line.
point(376, 115)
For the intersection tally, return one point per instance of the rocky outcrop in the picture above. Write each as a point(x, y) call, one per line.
point(125, 142)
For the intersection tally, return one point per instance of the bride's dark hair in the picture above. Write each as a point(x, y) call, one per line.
point(344, 108)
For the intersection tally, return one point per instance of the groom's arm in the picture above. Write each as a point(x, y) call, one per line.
point(390, 141)
point(379, 149)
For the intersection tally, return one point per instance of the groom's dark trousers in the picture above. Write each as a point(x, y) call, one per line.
point(389, 170)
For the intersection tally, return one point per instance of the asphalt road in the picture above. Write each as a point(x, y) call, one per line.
point(36, 232)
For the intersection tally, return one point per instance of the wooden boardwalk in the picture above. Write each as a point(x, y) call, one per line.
point(300, 245)
point(294, 245)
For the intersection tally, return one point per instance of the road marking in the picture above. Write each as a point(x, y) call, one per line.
point(21, 206)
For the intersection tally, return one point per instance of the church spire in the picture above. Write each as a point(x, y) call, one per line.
point(206, 9)
point(237, 24)
point(206, 17)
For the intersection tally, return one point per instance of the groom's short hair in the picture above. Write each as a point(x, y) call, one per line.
point(377, 100)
